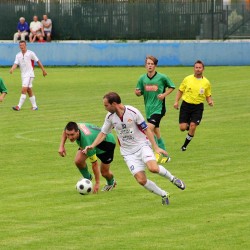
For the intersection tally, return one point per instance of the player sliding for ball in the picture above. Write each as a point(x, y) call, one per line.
point(135, 139)
point(84, 134)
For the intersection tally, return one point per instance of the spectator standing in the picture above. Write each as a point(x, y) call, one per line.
point(36, 30)
point(47, 27)
point(22, 30)
point(25, 60)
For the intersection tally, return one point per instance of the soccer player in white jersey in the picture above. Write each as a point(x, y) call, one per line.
point(135, 139)
point(25, 59)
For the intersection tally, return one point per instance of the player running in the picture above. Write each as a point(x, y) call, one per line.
point(84, 134)
point(155, 87)
point(134, 138)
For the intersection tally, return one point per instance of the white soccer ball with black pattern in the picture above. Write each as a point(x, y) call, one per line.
point(84, 186)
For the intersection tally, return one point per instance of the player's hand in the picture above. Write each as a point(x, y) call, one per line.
point(138, 92)
point(211, 104)
point(161, 97)
point(176, 105)
point(44, 73)
point(11, 71)
point(161, 151)
point(86, 149)
point(96, 188)
point(62, 151)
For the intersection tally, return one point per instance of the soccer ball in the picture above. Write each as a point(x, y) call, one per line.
point(84, 186)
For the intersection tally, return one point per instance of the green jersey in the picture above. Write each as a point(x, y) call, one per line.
point(150, 89)
point(88, 133)
point(3, 89)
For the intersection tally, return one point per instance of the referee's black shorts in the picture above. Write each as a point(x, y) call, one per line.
point(191, 113)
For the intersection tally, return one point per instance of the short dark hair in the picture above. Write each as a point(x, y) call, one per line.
point(154, 59)
point(22, 41)
point(71, 126)
point(200, 62)
point(112, 97)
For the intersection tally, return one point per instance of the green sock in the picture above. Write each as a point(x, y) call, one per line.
point(85, 172)
point(111, 181)
point(161, 143)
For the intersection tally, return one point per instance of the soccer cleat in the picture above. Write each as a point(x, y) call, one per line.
point(16, 108)
point(34, 108)
point(179, 183)
point(165, 200)
point(183, 148)
point(109, 187)
point(162, 159)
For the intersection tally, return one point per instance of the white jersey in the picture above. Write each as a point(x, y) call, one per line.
point(129, 129)
point(26, 63)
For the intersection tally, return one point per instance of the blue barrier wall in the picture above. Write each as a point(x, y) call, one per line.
point(169, 53)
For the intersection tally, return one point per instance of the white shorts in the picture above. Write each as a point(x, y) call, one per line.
point(27, 82)
point(137, 161)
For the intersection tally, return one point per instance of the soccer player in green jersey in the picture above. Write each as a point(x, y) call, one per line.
point(3, 90)
point(194, 90)
point(154, 87)
point(84, 134)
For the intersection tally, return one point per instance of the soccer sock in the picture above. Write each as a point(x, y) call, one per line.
point(161, 143)
point(188, 139)
point(152, 187)
point(85, 172)
point(110, 181)
point(165, 173)
point(21, 100)
point(33, 101)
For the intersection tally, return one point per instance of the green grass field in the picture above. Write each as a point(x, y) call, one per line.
point(40, 208)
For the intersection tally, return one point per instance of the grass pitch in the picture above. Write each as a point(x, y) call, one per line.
point(40, 208)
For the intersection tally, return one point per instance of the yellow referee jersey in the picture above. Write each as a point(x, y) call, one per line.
point(195, 90)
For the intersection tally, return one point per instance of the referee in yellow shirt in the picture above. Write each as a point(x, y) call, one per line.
point(193, 90)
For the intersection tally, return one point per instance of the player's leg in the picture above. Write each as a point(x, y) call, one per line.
point(158, 169)
point(196, 113)
point(137, 168)
point(31, 95)
point(106, 159)
point(23, 95)
point(108, 175)
point(80, 162)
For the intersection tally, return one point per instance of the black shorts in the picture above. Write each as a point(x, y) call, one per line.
point(155, 119)
point(108, 156)
point(191, 113)
point(109, 148)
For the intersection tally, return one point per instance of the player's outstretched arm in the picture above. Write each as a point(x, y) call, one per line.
point(62, 150)
point(150, 136)
point(100, 137)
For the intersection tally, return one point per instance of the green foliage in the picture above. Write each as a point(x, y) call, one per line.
point(40, 208)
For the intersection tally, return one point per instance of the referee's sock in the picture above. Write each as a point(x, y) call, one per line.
point(188, 140)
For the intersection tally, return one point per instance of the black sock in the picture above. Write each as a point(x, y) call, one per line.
point(188, 139)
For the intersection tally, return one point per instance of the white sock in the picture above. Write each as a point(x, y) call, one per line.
point(21, 100)
point(152, 187)
point(165, 173)
point(33, 101)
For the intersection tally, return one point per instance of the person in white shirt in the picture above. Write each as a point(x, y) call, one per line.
point(36, 30)
point(25, 59)
point(136, 141)
point(47, 27)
